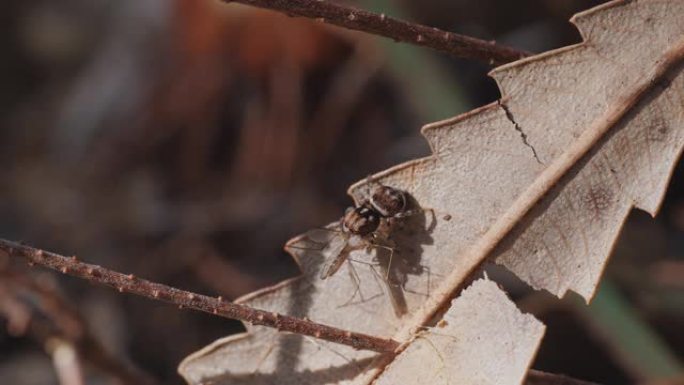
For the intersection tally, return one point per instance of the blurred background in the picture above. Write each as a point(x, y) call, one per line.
point(185, 141)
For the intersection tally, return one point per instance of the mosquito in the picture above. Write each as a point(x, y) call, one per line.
point(360, 224)
point(366, 226)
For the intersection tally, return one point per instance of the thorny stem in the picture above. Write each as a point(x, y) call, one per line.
point(217, 306)
point(351, 18)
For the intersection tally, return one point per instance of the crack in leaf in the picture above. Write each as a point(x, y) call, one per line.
point(523, 135)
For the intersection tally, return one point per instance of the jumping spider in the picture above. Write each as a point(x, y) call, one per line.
point(360, 224)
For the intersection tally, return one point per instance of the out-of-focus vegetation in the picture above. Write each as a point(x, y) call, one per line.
point(185, 141)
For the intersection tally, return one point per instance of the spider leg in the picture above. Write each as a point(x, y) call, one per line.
point(412, 212)
point(369, 181)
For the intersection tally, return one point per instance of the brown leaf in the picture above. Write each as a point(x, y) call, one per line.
point(541, 181)
point(482, 339)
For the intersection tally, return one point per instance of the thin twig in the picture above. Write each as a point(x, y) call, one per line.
point(217, 306)
point(347, 17)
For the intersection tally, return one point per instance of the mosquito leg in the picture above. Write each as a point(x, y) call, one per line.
point(427, 293)
point(357, 285)
point(364, 262)
point(357, 281)
point(371, 266)
point(393, 292)
point(389, 265)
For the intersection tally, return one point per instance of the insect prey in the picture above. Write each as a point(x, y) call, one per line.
point(359, 226)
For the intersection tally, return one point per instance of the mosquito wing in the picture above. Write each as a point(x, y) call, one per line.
point(396, 295)
point(335, 255)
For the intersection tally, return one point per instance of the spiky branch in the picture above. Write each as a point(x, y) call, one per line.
point(399, 30)
point(218, 306)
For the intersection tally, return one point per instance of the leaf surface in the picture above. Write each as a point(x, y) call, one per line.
point(540, 182)
point(482, 339)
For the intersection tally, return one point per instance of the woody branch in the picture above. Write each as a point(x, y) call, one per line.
point(399, 30)
point(185, 299)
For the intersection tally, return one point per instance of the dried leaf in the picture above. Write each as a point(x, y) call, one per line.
point(482, 339)
point(541, 181)
point(264, 356)
point(564, 241)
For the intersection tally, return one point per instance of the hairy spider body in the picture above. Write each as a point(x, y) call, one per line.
point(359, 225)
point(387, 201)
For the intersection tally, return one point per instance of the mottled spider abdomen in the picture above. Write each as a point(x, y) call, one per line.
point(388, 201)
